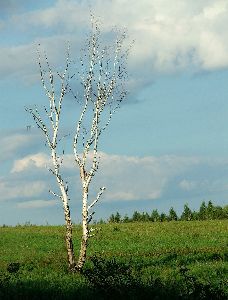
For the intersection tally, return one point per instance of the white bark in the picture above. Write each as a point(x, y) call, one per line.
point(104, 90)
point(103, 83)
point(51, 135)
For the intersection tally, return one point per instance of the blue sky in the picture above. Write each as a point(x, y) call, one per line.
point(166, 146)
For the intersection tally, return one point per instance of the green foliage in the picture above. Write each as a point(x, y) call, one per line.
point(172, 215)
point(136, 217)
point(111, 219)
point(111, 277)
point(101, 221)
point(155, 217)
point(187, 214)
point(163, 217)
point(210, 211)
point(206, 212)
point(202, 215)
point(126, 219)
point(115, 218)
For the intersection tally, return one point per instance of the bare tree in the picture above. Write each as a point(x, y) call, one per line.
point(103, 75)
point(102, 79)
point(51, 133)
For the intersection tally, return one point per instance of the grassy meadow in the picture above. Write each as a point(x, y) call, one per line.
point(170, 260)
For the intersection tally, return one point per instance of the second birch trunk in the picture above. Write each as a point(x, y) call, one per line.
point(85, 231)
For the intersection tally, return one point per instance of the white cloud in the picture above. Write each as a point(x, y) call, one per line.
point(39, 160)
point(170, 35)
point(125, 177)
point(37, 203)
point(216, 9)
point(18, 60)
point(121, 195)
point(62, 13)
point(187, 185)
point(200, 184)
point(135, 178)
point(10, 189)
point(12, 143)
point(21, 60)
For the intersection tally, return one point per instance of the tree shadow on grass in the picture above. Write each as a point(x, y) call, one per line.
point(114, 279)
point(103, 279)
point(39, 290)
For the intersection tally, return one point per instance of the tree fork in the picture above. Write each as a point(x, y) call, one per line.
point(103, 75)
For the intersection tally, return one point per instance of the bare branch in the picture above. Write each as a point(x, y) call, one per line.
point(51, 133)
point(98, 197)
point(55, 194)
point(90, 217)
point(102, 78)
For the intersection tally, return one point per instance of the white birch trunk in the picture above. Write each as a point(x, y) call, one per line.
point(69, 232)
point(104, 90)
point(103, 77)
point(65, 201)
point(85, 231)
point(51, 134)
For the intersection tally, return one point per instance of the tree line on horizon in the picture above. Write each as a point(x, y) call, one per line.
point(206, 212)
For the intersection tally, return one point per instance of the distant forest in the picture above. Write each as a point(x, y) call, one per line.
point(206, 212)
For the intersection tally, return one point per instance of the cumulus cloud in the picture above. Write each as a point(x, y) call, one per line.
point(16, 143)
point(39, 160)
point(169, 36)
point(62, 13)
point(135, 178)
point(17, 189)
point(20, 61)
point(37, 203)
point(190, 185)
point(187, 185)
point(130, 178)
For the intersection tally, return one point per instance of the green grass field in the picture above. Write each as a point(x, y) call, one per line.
point(170, 260)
